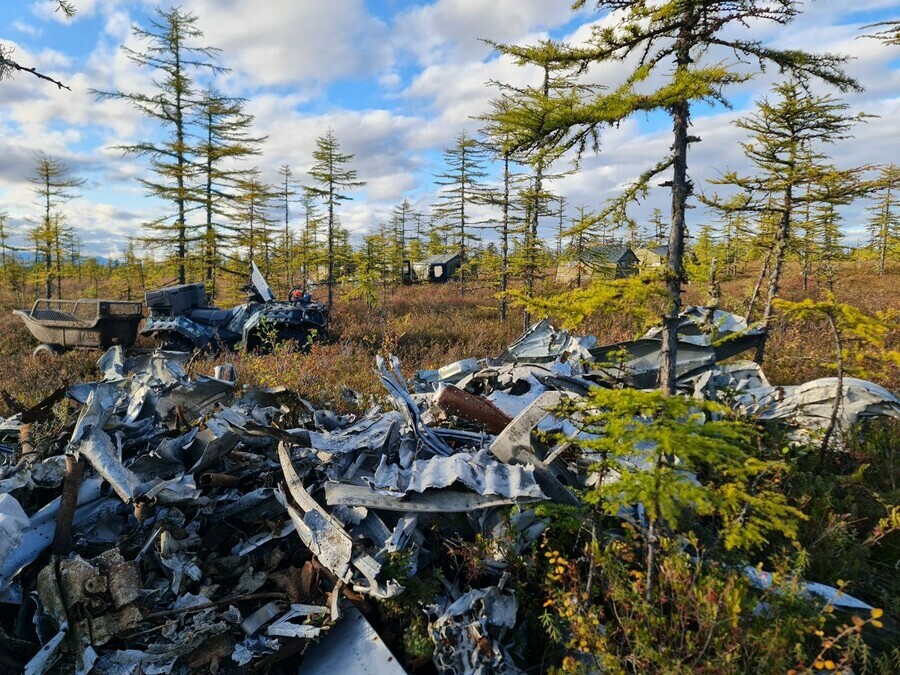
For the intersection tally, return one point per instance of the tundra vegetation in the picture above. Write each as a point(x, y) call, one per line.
point(597, 592)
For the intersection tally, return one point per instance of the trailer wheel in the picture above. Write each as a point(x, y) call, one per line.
point(47, 350)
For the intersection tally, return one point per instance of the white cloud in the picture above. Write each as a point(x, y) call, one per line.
point(26, 28)
point(423, 73)
point(452, 30)
point(287, 42)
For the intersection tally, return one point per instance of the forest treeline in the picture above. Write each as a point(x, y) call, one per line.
point(496, 206)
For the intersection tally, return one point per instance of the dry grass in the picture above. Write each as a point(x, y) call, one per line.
point(430, 326)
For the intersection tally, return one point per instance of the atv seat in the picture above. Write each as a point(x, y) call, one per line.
point(212, 317)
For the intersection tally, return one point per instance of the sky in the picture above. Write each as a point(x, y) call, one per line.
point(395, 80)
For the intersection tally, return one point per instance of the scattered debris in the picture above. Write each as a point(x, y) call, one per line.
point(214, 529)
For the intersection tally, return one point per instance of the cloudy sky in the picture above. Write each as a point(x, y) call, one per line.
point(396, 80)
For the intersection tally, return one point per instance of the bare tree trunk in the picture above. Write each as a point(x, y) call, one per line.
point(778, 254)
point(504, 241)
point(681, 190)
point(885, 229)
point(839, 394)
point(331, 245)
point(762, 275)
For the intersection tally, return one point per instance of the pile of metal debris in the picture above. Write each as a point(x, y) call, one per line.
point(177, 524)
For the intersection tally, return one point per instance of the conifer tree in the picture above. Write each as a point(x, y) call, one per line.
point(668, 39)
point(333, 177)
point(402, 219)
point(311, 250)
point(253, 220)
point(287, 194)
point(884, 222)
point(584, 229)
point(460, 188)
point(658, 225)
point(418, 240)
point(561, 225)
point(53, 186)
point(170, 54)
point(786, 134)
point(224, 140)
point(5, 248)
point(499, 144)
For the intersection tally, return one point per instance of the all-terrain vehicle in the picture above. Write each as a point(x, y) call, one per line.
point(181, 320)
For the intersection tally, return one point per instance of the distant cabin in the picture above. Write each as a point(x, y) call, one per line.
point(652, 256)
point(606, 261)
point(437, 269)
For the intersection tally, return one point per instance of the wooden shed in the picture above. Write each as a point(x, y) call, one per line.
point(605, 261)
point(652, 256)
point(437, 269)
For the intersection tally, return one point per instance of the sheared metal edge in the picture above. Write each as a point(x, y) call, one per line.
point(811, 403)
point(282, 626)
point(41, 662)
point(258, 540)
point(98, 449)
point(38, 536)
point(514, 446)
point(13, 523)
point(396, 386)
point(351, 646)
point(215, 449)
point(260, 618)
point(367, 434)
point(444, 501)
point(112, 364)
point(325, 535)
point(829, 594)
point(99, 406)
point(86, 661)
point(479, 473)
point(319, 530)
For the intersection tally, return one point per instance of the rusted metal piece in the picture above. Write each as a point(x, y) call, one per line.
point(473, 408)
point(62, 538)
point(217, 480)
point(25, 439)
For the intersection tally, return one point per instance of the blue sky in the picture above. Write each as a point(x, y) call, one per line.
point(396, 80)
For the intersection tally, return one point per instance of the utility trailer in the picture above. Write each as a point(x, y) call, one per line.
point(82, 324)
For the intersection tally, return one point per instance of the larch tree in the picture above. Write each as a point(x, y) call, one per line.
point(53, 186)
point(224, 139)
point(253, 220)
point(524, 108)
point(786, 135)
point(585, 228)
point(497, 142)
point(461, 187)
point(402, 218)
point(310, 246)
point(561, 225)
point(288, 193)
point(419, 236)
point(170, 54)
point(333, 177)
point(884, 220)
point(886, 31)
point(669, 43)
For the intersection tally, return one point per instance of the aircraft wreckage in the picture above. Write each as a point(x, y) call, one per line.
point(182, 523)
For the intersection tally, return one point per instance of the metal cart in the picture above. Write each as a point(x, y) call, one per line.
point(86, 324)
